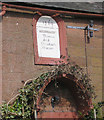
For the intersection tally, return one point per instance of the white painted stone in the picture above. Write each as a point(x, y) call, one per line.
point(48, 37)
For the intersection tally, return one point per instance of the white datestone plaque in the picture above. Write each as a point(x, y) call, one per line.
point(48, 37)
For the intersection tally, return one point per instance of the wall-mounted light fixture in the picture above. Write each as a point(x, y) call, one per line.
point(54, 100)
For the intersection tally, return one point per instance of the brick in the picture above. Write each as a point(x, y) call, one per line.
point(81, 61)
point(73, 42)
point(0, 84)
point(11, 77)
point(24, 25)
point(21, 47)
point(97, 70)
point(16, 63)
point(99, 97)
point(17, 47)
point(103, 94)
point(0, 49)
point(94, 52)
point(30, 48)
point(97, 83)
point(96, 78)
point(11, 90)
point(76, 22)
point(0, 58)
point(11, 82)
point(96, 43)
point(18, 52)
point(77, 39)
point(77, 33)
point(9, 46)
point(28, 63)
point(98, 34)
point(98, 86)
point(76, 51)
point(25, 76)
point(95, 61)
point(5, 58)
point(89, 70)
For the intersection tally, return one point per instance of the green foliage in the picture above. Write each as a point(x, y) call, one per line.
point(24, 104)
point(97, 107)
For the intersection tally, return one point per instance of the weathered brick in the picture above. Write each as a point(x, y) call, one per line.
point(18, 52)
point(99, 96)
point(0, 84)
point(95, 43)
point(0, 62)
point(5, 58)
point(81, 61)
point(0, 58)
point(97, 70)
point(96, 78)
point(11, 82)
point(94, 52)
point(9, 46)
point(16, 63)
point(76, 51)
point(95, 61)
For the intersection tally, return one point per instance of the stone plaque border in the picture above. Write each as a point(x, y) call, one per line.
point(62, 39)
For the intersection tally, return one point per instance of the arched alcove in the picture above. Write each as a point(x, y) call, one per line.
point(71, 100)
point(63, 92)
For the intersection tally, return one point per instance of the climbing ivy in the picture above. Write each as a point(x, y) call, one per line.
point(97, 107)
point(23, 105)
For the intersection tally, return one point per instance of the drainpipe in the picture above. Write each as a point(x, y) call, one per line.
point(35, 114)
point(3, 11)
point(94, 114)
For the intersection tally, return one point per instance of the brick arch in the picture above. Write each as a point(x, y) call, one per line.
point(70, 80)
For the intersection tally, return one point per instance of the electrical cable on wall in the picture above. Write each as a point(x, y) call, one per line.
point(85, 36)
point(88, 33)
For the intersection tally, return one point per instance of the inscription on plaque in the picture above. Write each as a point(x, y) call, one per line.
point(48, 37)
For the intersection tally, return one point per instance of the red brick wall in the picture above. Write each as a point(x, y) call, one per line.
point(76, 48)
point(18, 52)
point(0, 61)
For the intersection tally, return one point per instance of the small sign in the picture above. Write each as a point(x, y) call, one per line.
point(48, 37)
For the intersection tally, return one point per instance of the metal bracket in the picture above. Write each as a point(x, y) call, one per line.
point(82, 28)
point(87, 29)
